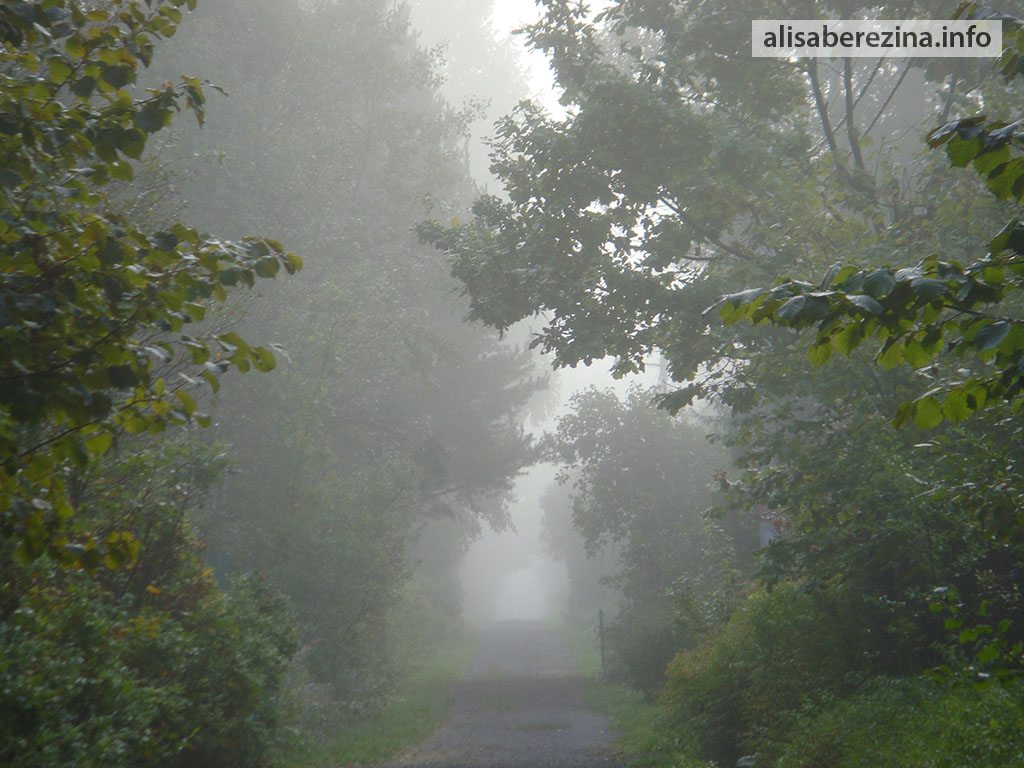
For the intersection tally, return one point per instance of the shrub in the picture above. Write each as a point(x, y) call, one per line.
point(780, 653)
point(910, 723)
point(152, 665)
point(88, 679)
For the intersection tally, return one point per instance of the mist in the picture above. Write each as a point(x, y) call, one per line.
point(509, 383)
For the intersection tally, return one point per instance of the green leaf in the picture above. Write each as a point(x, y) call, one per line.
point(986, 162)
point(233, 341)
point(879, 283)
point(122, 170)
point(928, 288)
point(114, 560)
point(849, 338)
point(1002, 240)
point(212, 380)
point(99, 443)
point(988, 654)
point(153, 117)
point(117, 76)
point(186, 401)
point(891, 354)
point(1002, 181)
point(229, 276)
point(820, 353)
point(866, 303)
point(927, 412)
point(264, 359)
point(991, 336)
point(743, 297)
point(915, 355)
point(60, 70)
point(165, 241)
point(294, 262)
point(955, 407)
point(267, 267)
point(962, 151)
point(791, 309)
point(196, 311)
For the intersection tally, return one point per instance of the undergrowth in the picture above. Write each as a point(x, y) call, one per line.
point(421, 702)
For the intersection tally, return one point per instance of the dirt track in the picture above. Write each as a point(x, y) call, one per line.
point(519, 706)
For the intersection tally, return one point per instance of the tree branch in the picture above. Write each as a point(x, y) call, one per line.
point(851, 128)
point(822, 107)
point(881, 111)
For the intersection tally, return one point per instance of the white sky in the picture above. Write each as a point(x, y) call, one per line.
point(508, 15)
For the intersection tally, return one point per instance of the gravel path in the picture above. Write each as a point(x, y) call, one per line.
point(519, 706)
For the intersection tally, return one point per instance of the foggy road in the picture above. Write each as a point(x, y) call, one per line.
point(520, 704)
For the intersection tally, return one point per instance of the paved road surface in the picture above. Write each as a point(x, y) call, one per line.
point(519, 706)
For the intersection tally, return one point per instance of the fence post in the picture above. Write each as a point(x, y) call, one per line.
point(600, 635)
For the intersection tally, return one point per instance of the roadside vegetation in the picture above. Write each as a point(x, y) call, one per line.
point(233, 508)
point(419, 704)
point(823, 259)
point(246, 435)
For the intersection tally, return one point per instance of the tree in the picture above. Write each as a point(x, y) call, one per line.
point(641, 481)
point(939, 307)
point(392, 421)
point(91, 304)
point(685, 170)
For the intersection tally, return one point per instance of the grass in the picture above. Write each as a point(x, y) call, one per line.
point(420, 705)
point(632, 714)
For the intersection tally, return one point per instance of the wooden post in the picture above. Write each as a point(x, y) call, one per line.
point(600, 635)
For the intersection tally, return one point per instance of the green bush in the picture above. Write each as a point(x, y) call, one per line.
point(704, 691)
point(641, 641)
point(152, 665)
point(910, 723)
point(781, 652)
point(89, 679)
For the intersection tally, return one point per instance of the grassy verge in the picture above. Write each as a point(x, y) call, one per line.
point(632, 715)
point(419, 706)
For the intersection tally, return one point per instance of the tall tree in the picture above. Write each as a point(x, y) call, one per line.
point(93, 304)
point(641, 482)
point(145, 661)
point(686, 170)
point(390, 411)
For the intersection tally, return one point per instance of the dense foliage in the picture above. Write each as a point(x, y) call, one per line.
point(93, 306)
point(366, 461)
point(144, 666)
point(640, 484)
point(142, 662)
point(882, 620)
point(939, 304)
point(351, 479)
point(683, 171)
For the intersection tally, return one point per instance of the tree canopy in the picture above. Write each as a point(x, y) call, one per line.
point(938, 305)
point(684, 171)
point(94, 309)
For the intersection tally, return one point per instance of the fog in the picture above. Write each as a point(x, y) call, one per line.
point(510, 573)
point(499, 382)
